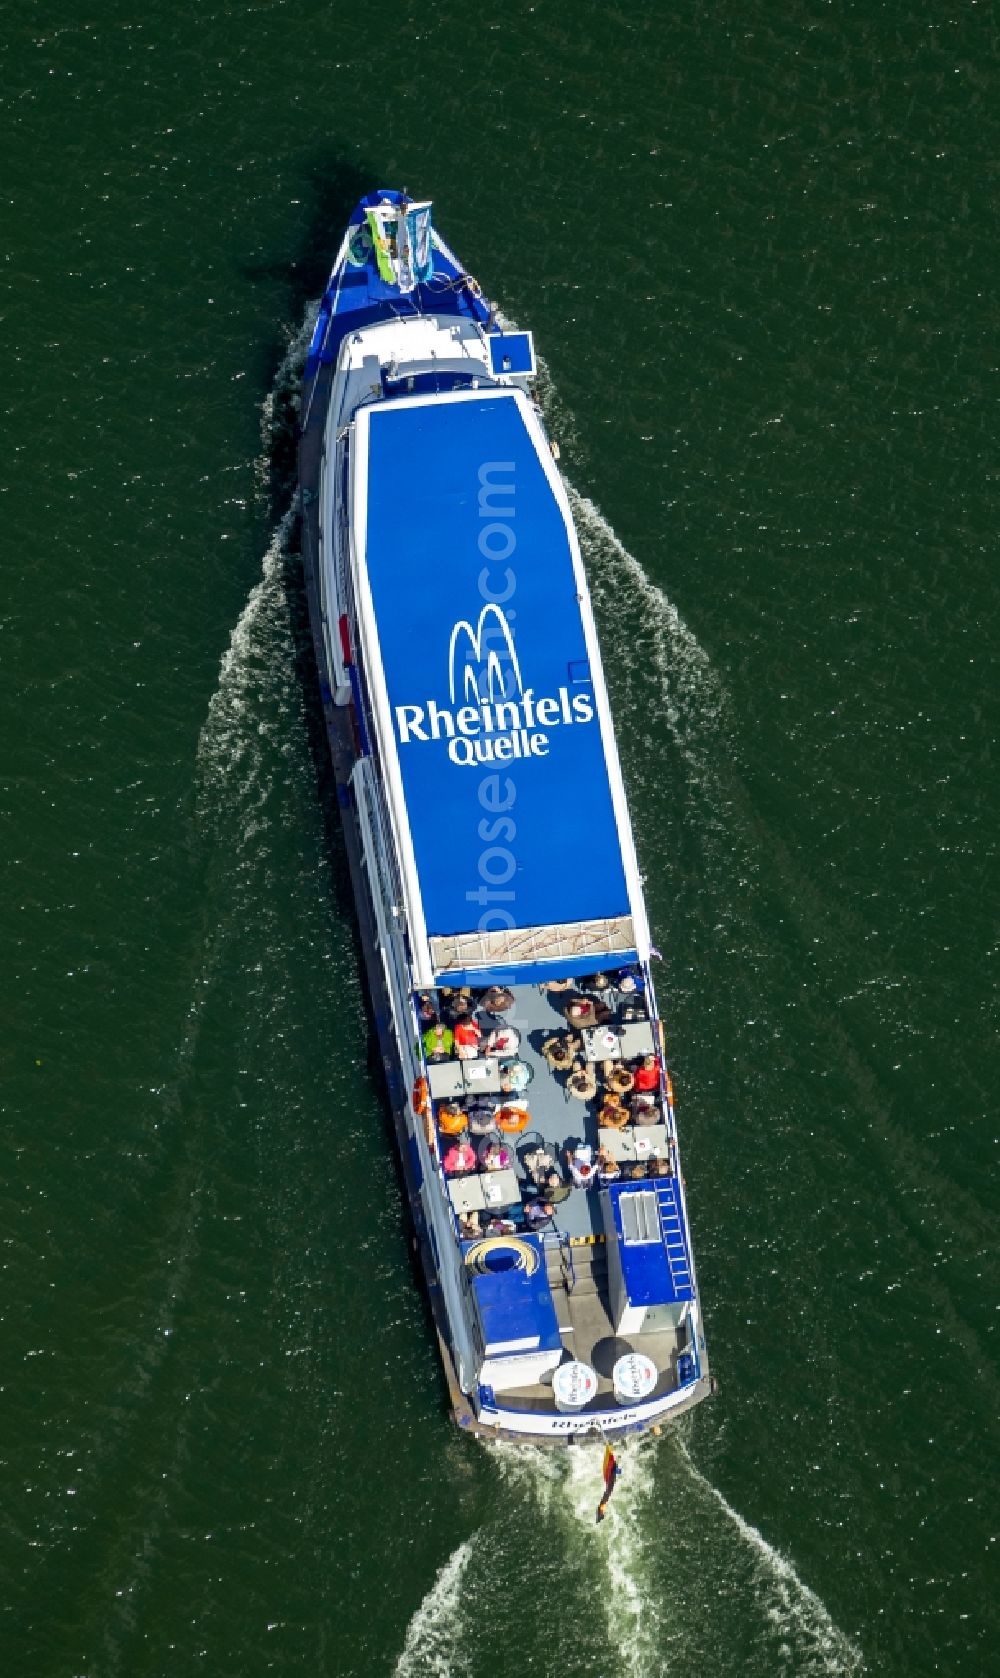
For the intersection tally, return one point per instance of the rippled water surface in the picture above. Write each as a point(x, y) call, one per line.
point(758, 254)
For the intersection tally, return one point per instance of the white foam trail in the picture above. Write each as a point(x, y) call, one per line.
point(632, 1614)
point(647, 633)
point(660, 1575)
point(431, 1647)
point(559, 420)
point(535, 1472)
point(795, 1611)
point(258, 659)
point(567, 1488)
point(639, 625)
point(282, 404)
point(229, 745)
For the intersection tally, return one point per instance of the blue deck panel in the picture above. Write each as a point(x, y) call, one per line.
point(650, 1276)
point(527, 841)
point(516, 1305)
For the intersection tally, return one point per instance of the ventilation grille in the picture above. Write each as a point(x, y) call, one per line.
point(640, 1220)
point(470, 952)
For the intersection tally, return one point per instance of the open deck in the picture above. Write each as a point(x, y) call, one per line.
point(557, 1122)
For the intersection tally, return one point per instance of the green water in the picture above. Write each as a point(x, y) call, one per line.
point(758, 254)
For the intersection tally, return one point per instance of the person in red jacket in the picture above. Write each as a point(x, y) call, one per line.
point(647, 1076)
point(467, 1035)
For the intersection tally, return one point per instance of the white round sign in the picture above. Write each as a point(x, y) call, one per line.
point(635, 1377)
point(573, 1385)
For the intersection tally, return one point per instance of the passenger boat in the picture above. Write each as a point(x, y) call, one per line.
point(491, 853)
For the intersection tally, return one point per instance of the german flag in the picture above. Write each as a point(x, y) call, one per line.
point(610, 1472)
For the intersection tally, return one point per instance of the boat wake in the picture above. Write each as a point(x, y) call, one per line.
point(644, 631)
point(798, 1616)
point(255, 711)
point(247, 717)
point(432, 1646)
point(649, 639)
point(686, 1585)
point(674, 1583)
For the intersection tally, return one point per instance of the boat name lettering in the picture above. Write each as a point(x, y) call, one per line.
point(574, 1425)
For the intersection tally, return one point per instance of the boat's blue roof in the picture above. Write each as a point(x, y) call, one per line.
point(468, 555)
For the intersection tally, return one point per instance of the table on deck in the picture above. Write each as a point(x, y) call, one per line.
point(618, 1143)
point(481, 1076)
point(622, 1042)
point(651, 1141)
point(466, 1193)
point(602, 1042)
point(444, 1080)
point(448, 1079)
point(648, 1141)
point(636, 1040)
point(500, 1188)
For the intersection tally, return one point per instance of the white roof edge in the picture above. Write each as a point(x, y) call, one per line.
point(630, 862)
point(382, 715)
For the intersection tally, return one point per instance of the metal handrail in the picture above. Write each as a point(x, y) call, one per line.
point(556, 1238)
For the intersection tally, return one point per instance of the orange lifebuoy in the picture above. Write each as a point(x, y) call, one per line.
point(512, 1118)
point(421, 1102)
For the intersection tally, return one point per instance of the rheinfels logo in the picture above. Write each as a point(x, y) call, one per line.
point(500, 718)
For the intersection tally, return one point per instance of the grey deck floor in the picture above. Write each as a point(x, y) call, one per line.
point(563, 1120)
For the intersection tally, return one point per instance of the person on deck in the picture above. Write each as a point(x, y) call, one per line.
point(558, 1051)
point(582, 1081)
point(426, 1011)
point(451, 1119)
point(498, 999)
point(494, 1156)
point(439, 1042)
point(614, 1115)
point(608, 1169)
point(467, 1036)
point(581, 1166)
point(586, 1011)
point(580, 1011)
point(504, 1041)
point(647, 1076)
point(459, 1160)
point(617, 1077)
point(482, 1116)
point(643, 1108)
point(515, 1077)
point(538, 1214)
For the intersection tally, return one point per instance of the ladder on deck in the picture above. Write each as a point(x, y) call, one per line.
point(674, 1243)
